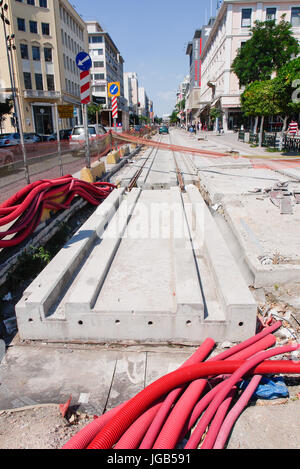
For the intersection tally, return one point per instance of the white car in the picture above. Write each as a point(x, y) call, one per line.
point(97, 143)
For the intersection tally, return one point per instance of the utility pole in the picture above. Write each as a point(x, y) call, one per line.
point(10, 47)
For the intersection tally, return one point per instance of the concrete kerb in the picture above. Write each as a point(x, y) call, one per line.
point(187, 288)
point(92, 276)
point(239, 305)
point(263, 275)
point(44, 290)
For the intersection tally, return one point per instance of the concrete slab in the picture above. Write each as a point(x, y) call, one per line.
point(37, 375)
point(268, 239)
point(220, 183)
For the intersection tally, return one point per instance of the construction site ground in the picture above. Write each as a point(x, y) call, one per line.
point(37, 376)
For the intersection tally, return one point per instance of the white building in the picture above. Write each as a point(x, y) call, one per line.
point(131, 91)
point(107, 65)
point(219, 85)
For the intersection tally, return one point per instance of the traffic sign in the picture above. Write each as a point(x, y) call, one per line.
point(85, 87)
point(114, 89)
point(65, 111)
point(83, 61)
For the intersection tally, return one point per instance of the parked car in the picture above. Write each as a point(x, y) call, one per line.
point(32, 137)
point(64, 134)
point(137, 128)
point(163, 129)
point(77, 138)
point(7, 140)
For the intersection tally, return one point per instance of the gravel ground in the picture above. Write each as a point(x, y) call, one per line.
point(38, 428)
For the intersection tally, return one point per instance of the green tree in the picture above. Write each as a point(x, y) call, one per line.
point(93, 108)
point(286, 87)
point(5, 108)
point(174, 117)
point(270, 47)
point(260, 100)
point(215, 113)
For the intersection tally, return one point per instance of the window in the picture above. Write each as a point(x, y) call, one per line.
point(31, 2)
point(99, 51)
point(99, 76)
point(36, 53)
point(48, 54)
point(43, 4)
point(50, 83)
point(271, 14)
point(295, 17)
point(24, 51)
point(21, 24)
point(96, 39)
point(39, 81)
point(27, 81)
point(246, 17)
point(46, 29)
point(100, 88)
point(98, 64)
point(33, 27)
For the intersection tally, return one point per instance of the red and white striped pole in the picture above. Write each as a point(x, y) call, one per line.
point(85, 94)
point(114, 105)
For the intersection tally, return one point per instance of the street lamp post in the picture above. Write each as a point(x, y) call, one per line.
point(10, 47)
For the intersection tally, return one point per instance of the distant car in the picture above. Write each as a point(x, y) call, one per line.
point(64, 134)
point(137, 128)
point(163, 129)
point(8, 140)
point(32, 138)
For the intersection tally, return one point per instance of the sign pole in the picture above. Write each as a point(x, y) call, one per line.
point(87, 139)
point(84, 63)
point(58, 140)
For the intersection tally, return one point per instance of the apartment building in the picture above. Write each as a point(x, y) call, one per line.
point(131, 91)
point(107, 65)
point(220, 86)
point(48, 36)
point(143, 103)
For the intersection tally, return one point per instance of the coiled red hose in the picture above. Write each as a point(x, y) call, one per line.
point(164, 410)
point(175, 425)
point(235, 412)
point(27, 205)
point(88, 433)
point(226, 387)
point(112, 432)
point(218, 420)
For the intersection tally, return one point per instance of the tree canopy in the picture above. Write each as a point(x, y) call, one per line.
point(270, 47)
point(260, 99)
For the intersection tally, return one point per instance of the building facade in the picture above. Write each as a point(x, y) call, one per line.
point(131, 91)
point(220, 86)
point(43, 77)
point(107, 65)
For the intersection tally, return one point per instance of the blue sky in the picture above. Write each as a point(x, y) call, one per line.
point(152, 36)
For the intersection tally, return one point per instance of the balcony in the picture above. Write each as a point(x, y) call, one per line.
point(42, 94)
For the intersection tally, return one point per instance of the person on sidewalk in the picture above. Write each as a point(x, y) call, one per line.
point(293, 129)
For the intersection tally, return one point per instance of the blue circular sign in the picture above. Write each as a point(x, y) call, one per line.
point(83, 61)
point(114, 89)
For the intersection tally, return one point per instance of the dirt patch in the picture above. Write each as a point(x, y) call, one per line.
point(38, 428)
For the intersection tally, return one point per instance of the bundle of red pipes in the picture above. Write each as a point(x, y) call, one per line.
point(27, 205)
point(199, 393)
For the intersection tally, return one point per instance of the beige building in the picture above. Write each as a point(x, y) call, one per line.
point(219, 85)
point(48, 36)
